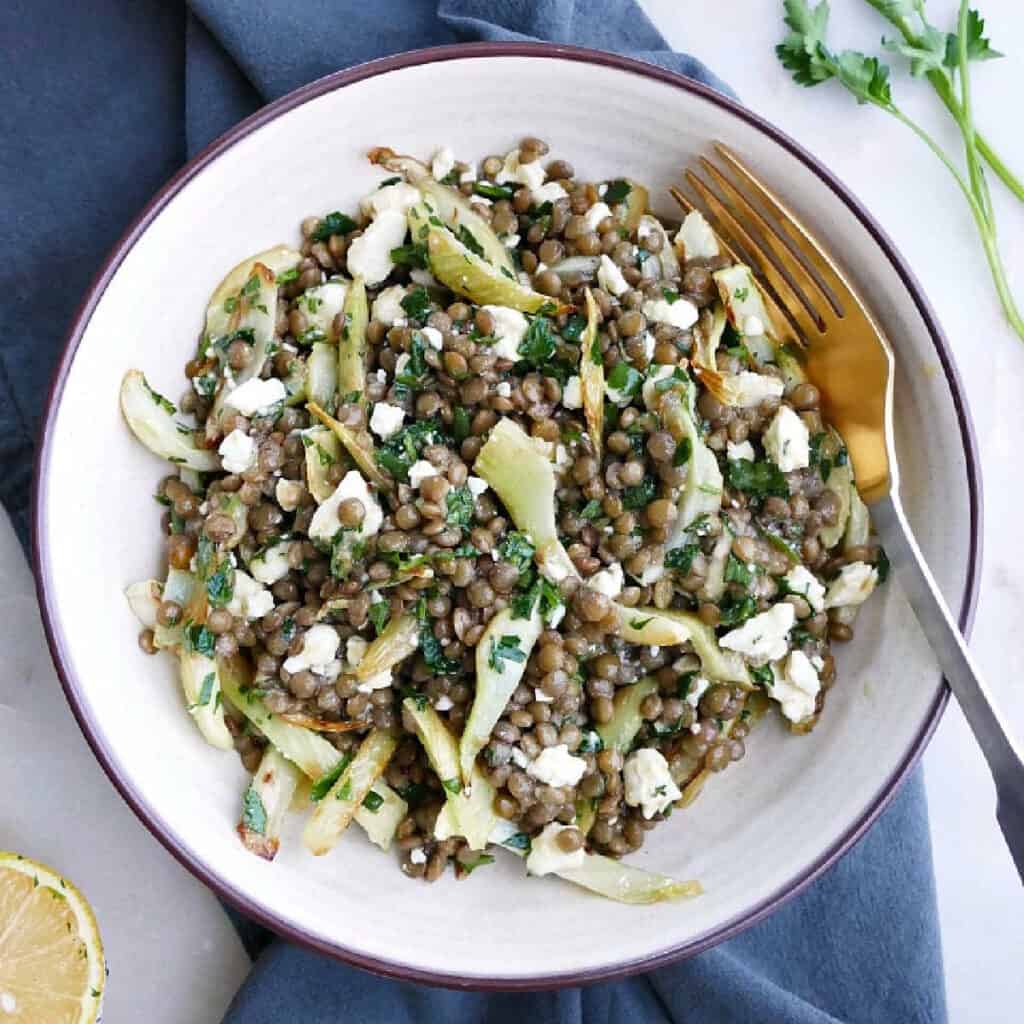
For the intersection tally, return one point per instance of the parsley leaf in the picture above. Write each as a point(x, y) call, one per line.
point(430, 647)
point(617, 191)
point(325, 783)
point(220, 587)
point(538, 344)
point(517, 549)
point(625, 380)
point(761, 675)
point(412, 255)
point(681, 559)
point(459, 503)
point(758, 479)
point(505, 649)
point(574, 327)
point(468, 239)
point(417, 304)
point(641, 495)
point(467, 869)
point(592, 510)
point(380, 613)
point(199, 640)
point(738, 572)
point(373, 802)
point(489, 190)
point(736, 610)
point(335, 223)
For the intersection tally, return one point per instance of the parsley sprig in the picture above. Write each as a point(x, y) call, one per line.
point(944, 59)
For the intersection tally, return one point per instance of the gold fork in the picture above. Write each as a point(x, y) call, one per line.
point(813, 305)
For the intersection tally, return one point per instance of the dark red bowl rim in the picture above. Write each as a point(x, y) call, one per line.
point(41, 555)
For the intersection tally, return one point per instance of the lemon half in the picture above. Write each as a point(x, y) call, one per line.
point(51, 957)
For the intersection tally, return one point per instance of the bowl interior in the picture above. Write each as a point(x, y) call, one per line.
point(758, 830)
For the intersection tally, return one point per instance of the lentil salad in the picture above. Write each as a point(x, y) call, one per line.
point(500, 518)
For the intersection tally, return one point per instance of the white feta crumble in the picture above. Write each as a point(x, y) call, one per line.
point(509, 327)
point(419, 471)
point(433, 337)
point(319, 646)
point(256, 395)
point(608, 581)
point(800, 580)
point(546, 856)
point(417, 855)
point(387, 307)
point(402, 362)
point(510, 241)
point(572, 394)
point(696, 690)
point(753, 326)
point(796, 687)
point(288, 494)
point(249, 599)
point(563, 460)
point(653, 572)
point(237, 452)
point(647, 782)
point(418, 275)
point(550, 192)
point(764, 637)
point(468, 176)
point(386, 420)
point(397, 198)
point(531, 175)
point(695, 238)
point(852, 586)
point(520, 758)
point(557, 767)
point(476, 486)
point(504, 389)
point(617, 396)
point(682, 313)
point(753, 388)
point(325, 523)
point(381, 376)
point(443, 163)
point(369, 256)
point(743, 450)
point(787, 441)
point(650, 344)
point(355, 648)
point(597, 213)
point(272, 565)
point(444, 703)
point(541, 697)
point(609, 277)
point(695, 728)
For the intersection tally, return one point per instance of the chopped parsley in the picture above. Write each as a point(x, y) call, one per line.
point(491, 191)
point(641, 495)
point(220, 587)
point(683, 452)
point(335, 223)
point(412, 255)
point(459, 503)
point(380, 613)
point(617, 191)
point(254, 814)
point(517, 549)
point(199, 640)
point(460, 424)
point(165, 403)
point(205, 691)
point(401, 450)
point(454, 786)
point(738, 572)
point(541, 589)
point(625, 380)
point(758, 479)
point(519, 841)
point(430, 647)
point(741, 294)
point(373, 802)
point(416, 368)
point(592, 510)
point(468, 239)
point(736, 610)
point(538, 344)
point(505, 649)
point(761, 675)
point(591, 743)
point(464, 869)
point(574, 327)
point(640, 623)
point(325, 457)
point(326, 782)
point(417, 304)
point(670, 295)
point(681, 559)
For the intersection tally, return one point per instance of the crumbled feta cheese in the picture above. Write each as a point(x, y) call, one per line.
point(443, 163)
point(609, 277)
point(504, 389)
point(572, 394)
point(563, 460)
point(476, 486)
point(369, 256)
point(237, 452)
point(743, 450)
point(617, 396)
point(402, 362)
point(546, 856)
point(654, 571)
point(764, 637)
point(433, 337)
point(695, 728)
point(608, 581)
point(387, 307)
point(418, 275)
point(796, 687)
point(397, 198)
point(655, 650)
point(510, 241)
point(417, 855)
point(696, 690)
point(355, 648)
point(509, 327)
point(481, 201)
point(378, 681)
point(597, 213)
point(557, 767)
point(520, 758)
point(682, 313)
point(647, 782)
point(752, 389)
point(249, 600)
point(386, 420)
point(800, 580)
point(444, 703)
point(468, 176)
point(256, 395)
point(272, 565)
point(550, 192)
point(541, 697)
point(381, 375)
point(325, 523)
point(852, 586)
point(787, 441)
point(650, 344)
point(695, 238)
point(289, 494)
point(753, 326)
point(531, 175)
point(320, 644)
point(419, 471)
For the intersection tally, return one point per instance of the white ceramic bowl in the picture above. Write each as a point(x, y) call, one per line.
point(762, 830)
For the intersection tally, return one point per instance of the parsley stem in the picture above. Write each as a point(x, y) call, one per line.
point(966, 123)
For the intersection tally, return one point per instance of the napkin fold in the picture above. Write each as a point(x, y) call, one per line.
point(102, 103)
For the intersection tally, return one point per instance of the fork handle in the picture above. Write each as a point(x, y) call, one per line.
point(1004, 758)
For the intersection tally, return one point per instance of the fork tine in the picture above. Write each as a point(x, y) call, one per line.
point(811, 251)
point(791, 308)
point(805, 285)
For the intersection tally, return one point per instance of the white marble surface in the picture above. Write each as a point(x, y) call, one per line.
point(165, 933)
point(981, 903)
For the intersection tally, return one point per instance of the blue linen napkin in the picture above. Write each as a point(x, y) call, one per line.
point(102, 103)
